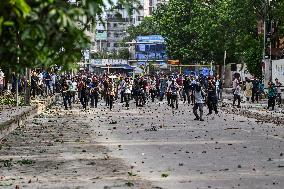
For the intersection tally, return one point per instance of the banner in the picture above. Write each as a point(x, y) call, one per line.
point(278, 70)
point(104, 62)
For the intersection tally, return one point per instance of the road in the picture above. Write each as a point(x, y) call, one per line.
point(150, 147)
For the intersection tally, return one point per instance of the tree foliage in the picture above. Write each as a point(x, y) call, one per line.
point(146, 27)
point(44, 33)
point(201, 30)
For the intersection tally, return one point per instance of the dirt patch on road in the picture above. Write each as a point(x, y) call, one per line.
point(261, 117)
point(58, 149)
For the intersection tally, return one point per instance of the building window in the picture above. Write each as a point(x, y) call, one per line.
point(116, 35)
point(108, 34)
point(115, 25)
point(108, 44)
point(140, 18)
point(151, 10)
point(115, 44)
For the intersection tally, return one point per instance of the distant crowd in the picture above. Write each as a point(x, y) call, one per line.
point(89, 89)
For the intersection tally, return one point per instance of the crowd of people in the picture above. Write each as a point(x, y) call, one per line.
point(88, 89)
point(252, 89)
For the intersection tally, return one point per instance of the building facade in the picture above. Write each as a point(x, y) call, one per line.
point(151, 5)
point(110, 34)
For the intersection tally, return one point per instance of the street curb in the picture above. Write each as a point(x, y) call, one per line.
point(16, 121)
point(260, 117)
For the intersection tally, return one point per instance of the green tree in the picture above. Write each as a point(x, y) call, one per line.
point(44, 33)
point(146, 27)
point(123, 54)
point(203, 30)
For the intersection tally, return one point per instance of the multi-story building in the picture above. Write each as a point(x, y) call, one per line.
point(110, 34)
point(151, 5)
point(116, 22)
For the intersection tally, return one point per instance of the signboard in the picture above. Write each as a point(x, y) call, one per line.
point(101, 35)
point(150, 38)
point(150, 47)
point(174, 62)
point(104, 62)
point(278, 70)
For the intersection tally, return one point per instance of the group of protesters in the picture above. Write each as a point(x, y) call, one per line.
point(252, 89)
point(197, 90)
point(89, 89)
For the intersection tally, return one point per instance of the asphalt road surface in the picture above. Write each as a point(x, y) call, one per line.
point(149, 147)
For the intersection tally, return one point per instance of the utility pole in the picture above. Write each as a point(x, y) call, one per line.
point(224, 66)
point(270, 46)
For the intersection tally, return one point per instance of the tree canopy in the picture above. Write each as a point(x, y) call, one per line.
point(44, 33)
point(201, 30)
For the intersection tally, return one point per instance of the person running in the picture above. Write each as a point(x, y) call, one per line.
point(84, 95)
point(153, 90)
point(94, 93)
point(173, 91)
point(66, 95)
point(255, 90)
point(198, 101)
point(73, 90)
point(163, 87)
point(111, 93)
point(186, 90)
point(179, 81)
point(168, 91)
point(212, 98)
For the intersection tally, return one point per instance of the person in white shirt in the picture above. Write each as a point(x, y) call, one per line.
point(127, 92)
point(73, 89)
point(237, 95)
point(53, 82)
point(2, 81)
point(198, 101)
point(40, 83)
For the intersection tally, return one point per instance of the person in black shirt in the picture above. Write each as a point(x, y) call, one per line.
point(66, 95)
point(212, 98)
point(94, 93)
point(186, 89)
point(34, 80)
point(255, 90)
point(84, 95)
